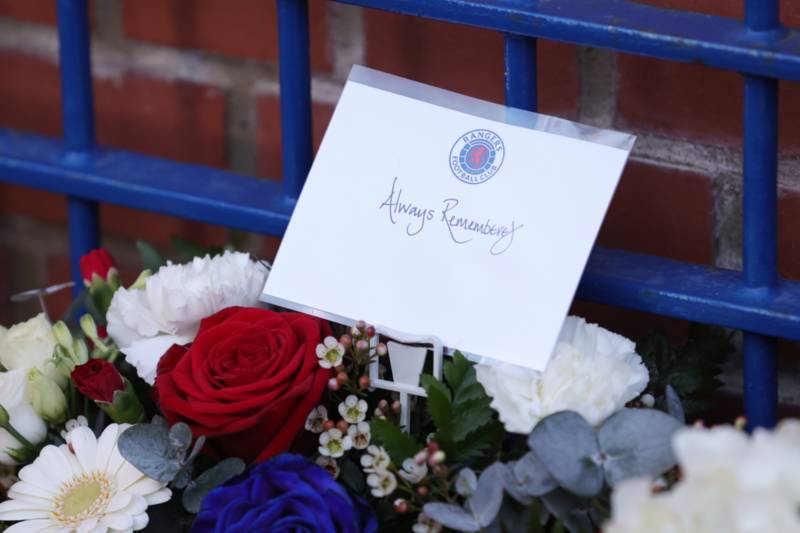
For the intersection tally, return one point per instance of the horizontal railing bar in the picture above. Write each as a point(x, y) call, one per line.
point(636, 281)
point(691, 292)
point(625, 26)
point(142, 182)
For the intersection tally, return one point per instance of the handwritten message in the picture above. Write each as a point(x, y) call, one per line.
point(461, 229)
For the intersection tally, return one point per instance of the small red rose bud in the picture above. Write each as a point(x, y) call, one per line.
point(422, 492)
point(97, 262)
point(396, 406)
point(328, 425)
point(333, 384)
point(363, 382)
point(433, 447)
point(361, 325)
point(400, 506)
point(342, 426)
point(346, 340)
point(362, 345)
point(341, 378)
point(380, 349)
point(370, 332)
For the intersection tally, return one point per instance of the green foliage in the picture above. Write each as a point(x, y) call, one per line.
point(398, 444)
point(466, 426)
point(692, 369)
point(149, 256)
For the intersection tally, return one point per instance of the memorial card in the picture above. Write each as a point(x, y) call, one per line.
point(430, 212)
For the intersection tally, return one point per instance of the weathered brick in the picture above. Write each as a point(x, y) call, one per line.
point(661, 211)
point(238, 28)
point(38, 11)
point(269, 133)
point(466, 59)
point(789, 235)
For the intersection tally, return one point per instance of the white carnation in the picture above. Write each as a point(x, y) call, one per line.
point(731, 482)
point(592, 371)
point(145, 322)
point(30, 344)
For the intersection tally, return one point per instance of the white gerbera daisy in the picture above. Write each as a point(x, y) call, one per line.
point(86, 487)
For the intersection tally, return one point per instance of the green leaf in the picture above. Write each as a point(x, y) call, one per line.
point(151, 259)
point(211, 478)
point(188, 250)
point(439, 401)
point(470, 420)
point(350, 475)
point(455, 371)
point(399, 445)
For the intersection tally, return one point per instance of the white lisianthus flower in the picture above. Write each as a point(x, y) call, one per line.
point(731, 482)
point(87, 486)
point(15, 398)
point(592, 371)
point(145, 322)
point(353, 410)
point(30, 344)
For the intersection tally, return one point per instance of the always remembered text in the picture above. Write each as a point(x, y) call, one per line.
point(460, 229)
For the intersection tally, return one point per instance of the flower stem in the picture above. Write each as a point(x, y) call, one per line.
point(17, 435)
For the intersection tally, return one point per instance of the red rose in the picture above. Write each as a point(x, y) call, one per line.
point(247, 382)
point(97, 379)
point(98, 262)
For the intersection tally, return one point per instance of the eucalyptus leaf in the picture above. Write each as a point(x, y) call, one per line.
point(180, 436)
point(148, 448)
point(637, 442)
point(674, 405)
point(567, 445)
point(213, 477)
point(451, 516)
point(487, 498)
point(528, 477)
point(466, 482)
point(198, 445)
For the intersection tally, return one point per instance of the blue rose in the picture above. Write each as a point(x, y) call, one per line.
point(286, 493)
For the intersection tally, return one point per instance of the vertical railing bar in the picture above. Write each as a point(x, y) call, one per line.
point(77, 105)
point(520, 59)
point(295, 95)
point(760, 201)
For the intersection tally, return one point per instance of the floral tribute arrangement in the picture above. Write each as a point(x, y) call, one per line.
point(180, 392)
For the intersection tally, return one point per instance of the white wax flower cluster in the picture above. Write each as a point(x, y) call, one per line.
point(592, 371)
point(167, 310)
point(731, 482)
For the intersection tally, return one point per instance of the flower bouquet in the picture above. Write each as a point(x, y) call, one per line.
point(179, 392)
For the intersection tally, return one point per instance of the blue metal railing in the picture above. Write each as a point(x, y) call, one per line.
point(753, 300)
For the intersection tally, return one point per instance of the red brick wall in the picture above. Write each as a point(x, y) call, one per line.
point(196, 80)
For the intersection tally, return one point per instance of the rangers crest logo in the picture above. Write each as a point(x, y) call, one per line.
point(477, 156)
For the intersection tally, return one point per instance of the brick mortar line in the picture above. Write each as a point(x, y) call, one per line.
point(112, 61)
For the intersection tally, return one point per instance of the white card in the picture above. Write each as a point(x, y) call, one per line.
point(434, 213)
